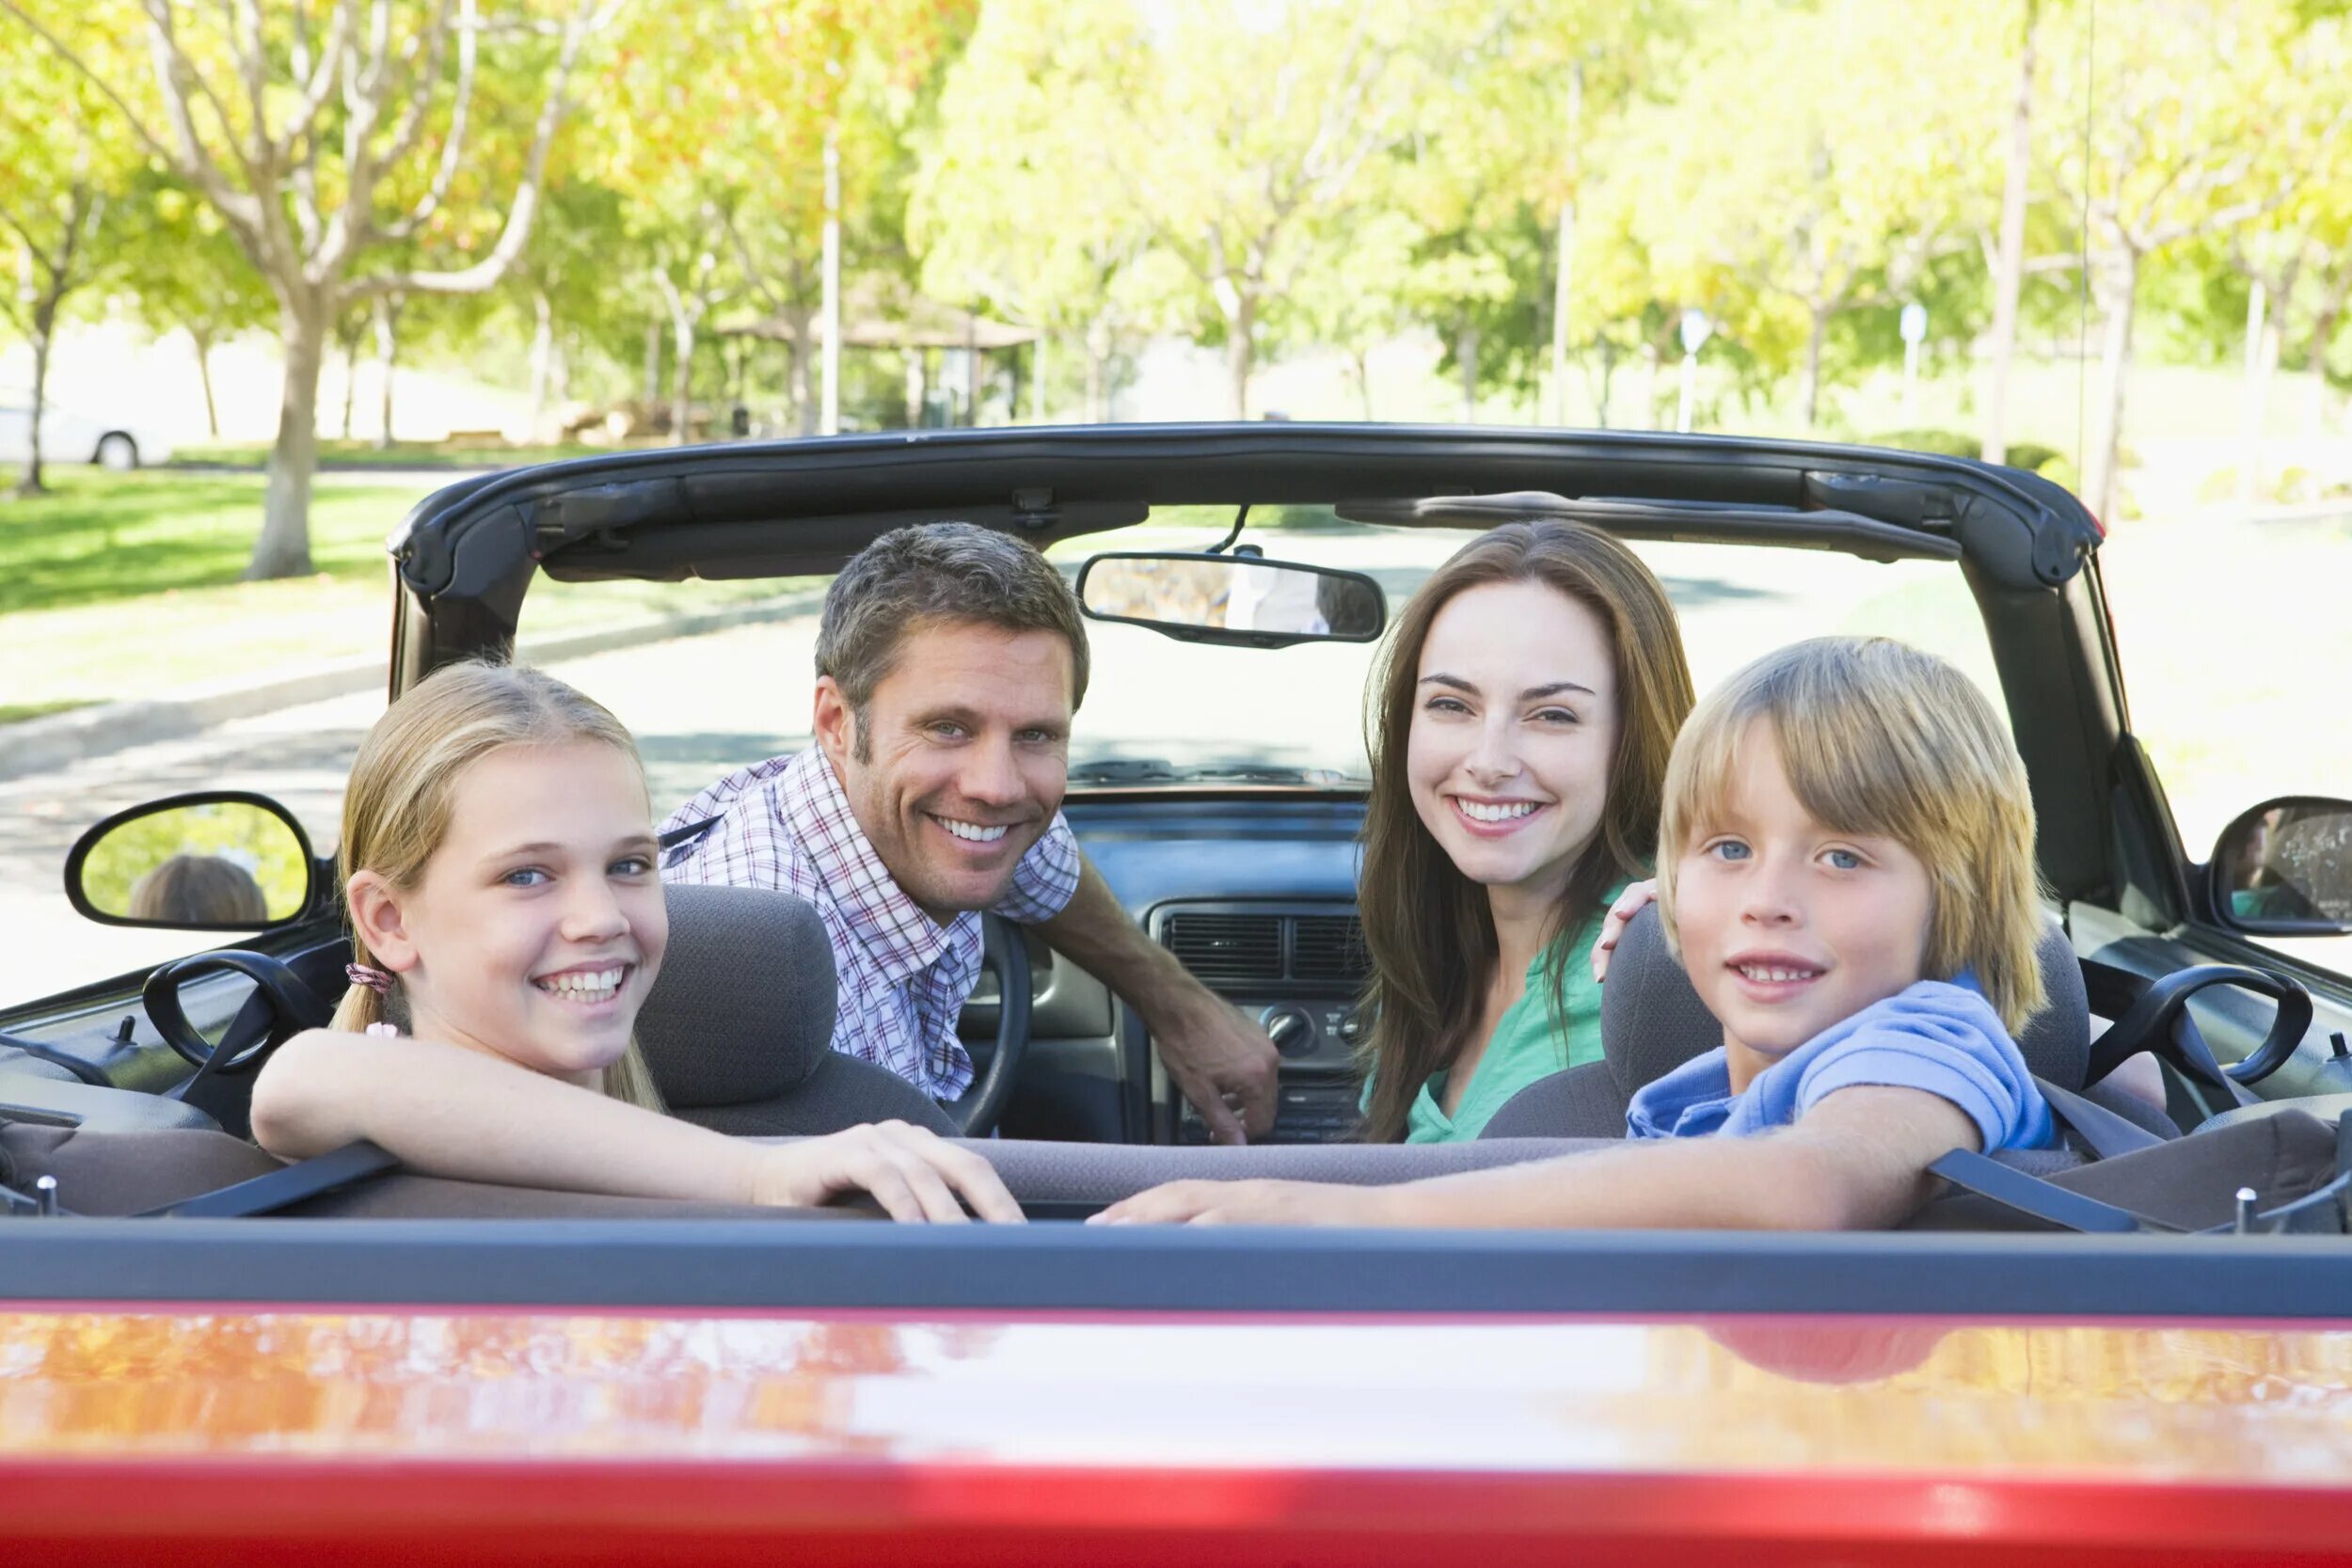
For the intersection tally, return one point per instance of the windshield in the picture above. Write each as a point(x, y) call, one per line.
point(1163, 713)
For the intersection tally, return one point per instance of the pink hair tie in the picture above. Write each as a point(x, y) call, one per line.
point(374, 979)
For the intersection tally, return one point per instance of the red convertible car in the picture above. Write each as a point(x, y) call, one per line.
point(2134, 1349)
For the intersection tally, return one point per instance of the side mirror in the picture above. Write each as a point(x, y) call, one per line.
point(2285, 868)
point(220, 860)
point(1239, 600)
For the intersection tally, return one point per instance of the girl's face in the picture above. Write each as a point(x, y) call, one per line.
point(538, 924)
point(1514, 722)
point(1789, 926)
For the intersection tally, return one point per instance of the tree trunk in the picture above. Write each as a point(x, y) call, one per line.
point(1361, 360)
point(203, 340)
point(803, 372)
point(542, 361)
point(1564, 248)
point(2009, 267)
point(1466, 361)
point(347, 340)
point(44, 333)
point(283, 550)
point(1809, 383)
point(1241, 324)
point(386, 355)
point(1098, 341)
point(2118, 282)
point(652, 383)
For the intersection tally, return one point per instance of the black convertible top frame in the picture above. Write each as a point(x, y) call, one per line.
point(466, 556)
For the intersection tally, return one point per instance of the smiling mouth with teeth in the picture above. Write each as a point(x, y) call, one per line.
point(584, 984)
point(1775, 973)
point(974, 833)
point(1479, 810)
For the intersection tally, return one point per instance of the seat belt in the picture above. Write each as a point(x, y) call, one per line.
point(1995, 1183)
point(2105, 1133)
point(282, 1189)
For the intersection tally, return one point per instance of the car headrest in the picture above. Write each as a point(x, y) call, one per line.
point(744, 1007)
point(1652, 1021)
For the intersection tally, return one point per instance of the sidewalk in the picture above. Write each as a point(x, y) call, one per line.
point(58, 740)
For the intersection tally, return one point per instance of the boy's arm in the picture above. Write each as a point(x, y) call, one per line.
point(1856, 1161)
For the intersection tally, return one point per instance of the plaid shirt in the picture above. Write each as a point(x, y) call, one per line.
point(903, 977)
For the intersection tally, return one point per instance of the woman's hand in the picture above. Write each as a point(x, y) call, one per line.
point(1630, 903)
point(1252, 1203)
point(911, 1172)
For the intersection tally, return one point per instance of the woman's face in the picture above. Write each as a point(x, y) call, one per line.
point(538, 924)
point(1515, 722)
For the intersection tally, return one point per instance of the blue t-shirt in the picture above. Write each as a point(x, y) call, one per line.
point(1938, 1036)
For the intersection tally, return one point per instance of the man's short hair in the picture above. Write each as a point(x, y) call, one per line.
point(927, 574)
point(1878, 737)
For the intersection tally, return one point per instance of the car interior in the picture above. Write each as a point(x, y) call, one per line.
point(127, 1096)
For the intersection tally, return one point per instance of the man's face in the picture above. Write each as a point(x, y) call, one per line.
point(959, 760)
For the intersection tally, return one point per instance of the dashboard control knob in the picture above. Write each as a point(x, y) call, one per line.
point(1291, 1030)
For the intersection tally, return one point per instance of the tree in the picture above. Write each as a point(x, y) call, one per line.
point(320, 133)
point(62, 174)
point(2187, 96)
point(1793, 207)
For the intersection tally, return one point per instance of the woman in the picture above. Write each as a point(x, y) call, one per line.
point(1525, 708)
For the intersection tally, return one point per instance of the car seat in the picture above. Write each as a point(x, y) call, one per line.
point(1652, 1021)
point(738, 1029)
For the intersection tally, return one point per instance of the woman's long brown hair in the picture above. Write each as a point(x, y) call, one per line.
point(1429, 928)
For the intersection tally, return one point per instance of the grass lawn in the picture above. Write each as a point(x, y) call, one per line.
point(400, 454)
point(126, 585)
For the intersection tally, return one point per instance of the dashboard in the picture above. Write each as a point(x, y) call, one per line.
point(1254, 891)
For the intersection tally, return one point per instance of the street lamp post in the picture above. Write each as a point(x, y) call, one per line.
point(1696, 330)
point(1915, 330)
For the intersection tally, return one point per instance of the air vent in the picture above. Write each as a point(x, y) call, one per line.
point(1223, 948)
point(1331, 947)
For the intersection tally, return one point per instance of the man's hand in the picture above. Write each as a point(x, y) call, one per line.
point(1223, 1064)
point(1253, 1203)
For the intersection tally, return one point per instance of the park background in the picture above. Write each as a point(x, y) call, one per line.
point(327, 254)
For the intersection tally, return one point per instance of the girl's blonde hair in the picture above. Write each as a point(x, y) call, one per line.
point(397, 808)
point(1879, 739)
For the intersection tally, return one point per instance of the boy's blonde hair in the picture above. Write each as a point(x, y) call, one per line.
point(1879, 739)
point(397, 808)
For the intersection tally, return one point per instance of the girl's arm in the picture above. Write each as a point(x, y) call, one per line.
point(449, 1112)
point(1856, 1161)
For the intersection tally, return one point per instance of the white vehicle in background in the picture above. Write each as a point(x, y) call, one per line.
point(70, 436)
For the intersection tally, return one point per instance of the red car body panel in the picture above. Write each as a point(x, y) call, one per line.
point(369, 1434)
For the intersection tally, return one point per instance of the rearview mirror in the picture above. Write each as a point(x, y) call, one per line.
point(1240, 600)
point(2285, 868)
point(218, 862)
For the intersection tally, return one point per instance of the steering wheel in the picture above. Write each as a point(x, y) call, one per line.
point(291, 1008)
point(1001, 955)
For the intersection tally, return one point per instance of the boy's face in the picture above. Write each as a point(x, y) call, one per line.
point(1787, 926)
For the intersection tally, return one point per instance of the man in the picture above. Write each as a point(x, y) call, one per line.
point(949, 660)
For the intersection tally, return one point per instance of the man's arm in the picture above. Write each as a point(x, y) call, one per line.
point(1210, 1049)
point(1857, 1160)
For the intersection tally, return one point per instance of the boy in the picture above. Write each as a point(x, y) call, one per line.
point(1846, 869)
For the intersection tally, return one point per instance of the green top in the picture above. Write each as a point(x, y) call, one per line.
point(1527, 1044)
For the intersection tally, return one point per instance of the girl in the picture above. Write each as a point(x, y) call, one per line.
point(498, 864)
point(1846, 869)
point(1524, 712)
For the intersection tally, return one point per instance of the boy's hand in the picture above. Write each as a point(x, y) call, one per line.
point(1630, 903)
point(1251, 1203)
point(910, 1171)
